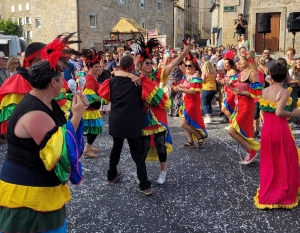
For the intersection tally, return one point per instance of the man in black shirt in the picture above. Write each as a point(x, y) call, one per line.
point(241, 25)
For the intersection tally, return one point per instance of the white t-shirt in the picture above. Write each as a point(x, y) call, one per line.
point(220, 65)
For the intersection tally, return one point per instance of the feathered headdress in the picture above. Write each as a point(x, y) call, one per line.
point(190, 57)
point(146, 50)
point(91, 57)
point(229, 55)
point(59, 49)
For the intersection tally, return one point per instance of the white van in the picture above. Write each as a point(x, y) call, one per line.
point(12, 45)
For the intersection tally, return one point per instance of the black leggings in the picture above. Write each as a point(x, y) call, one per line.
point(160, 140)
point(91, 138)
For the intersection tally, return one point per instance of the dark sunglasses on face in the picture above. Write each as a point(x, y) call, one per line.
point(148, 63)
point(188, 66)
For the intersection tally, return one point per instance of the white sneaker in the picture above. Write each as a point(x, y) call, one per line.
point(207, 120)
point(162, 177)
point(227, 127)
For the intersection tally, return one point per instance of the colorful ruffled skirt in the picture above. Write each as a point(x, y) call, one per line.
point(92, 121)
point(242, 120)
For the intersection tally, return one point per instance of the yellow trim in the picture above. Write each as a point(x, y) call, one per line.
point(150, 96)
point(42, 199)
point(252, 143)
point(63, 90)
point(168, 104)
point(51, 153)
point(273, 206)
point(11, 99)
point(162, 79)
point(265, 103)
point(91, 114)
point(67, 106)
point(196, 89)
point(152, 153)
point(162, 128)
point(88, 91)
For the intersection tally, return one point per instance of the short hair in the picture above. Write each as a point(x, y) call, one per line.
point(282, 61)
point(292, 50)
point(40, 75)
point(267, 49)
point(196, 55)
point(278, 72)
point(240, 14)
point(32, 48)
point(126, 63)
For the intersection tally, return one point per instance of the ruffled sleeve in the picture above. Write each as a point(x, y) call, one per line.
point(255, 90)
point(158, 76)
point(196, 84)
point(104, 91)
point(61, 150)
point(154, 95)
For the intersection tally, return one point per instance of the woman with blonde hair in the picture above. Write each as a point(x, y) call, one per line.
point(12, 65)
point(246, 88)
point(209, 89)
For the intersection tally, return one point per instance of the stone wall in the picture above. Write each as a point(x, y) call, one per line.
point(110, 12)
point(252, 8)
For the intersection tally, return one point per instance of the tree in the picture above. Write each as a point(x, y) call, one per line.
point(9, 27)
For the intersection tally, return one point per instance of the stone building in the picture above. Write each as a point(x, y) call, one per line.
point(43, 20)
point(179, 23)
point(205, 19)
point(225, 13)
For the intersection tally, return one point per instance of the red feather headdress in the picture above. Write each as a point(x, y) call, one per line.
point(146, 50)
point(249, 58)
point(91, 57)
point(189, 57)
point(230, 55)
point(59, 49)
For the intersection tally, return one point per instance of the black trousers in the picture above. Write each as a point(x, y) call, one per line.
point(136, 150)
point(91, 138)
point(160, 140)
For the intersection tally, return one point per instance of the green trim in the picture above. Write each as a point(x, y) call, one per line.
point(93, 130)
point(270, 109)
point(28, 220)
point(156, 99)
point(6, 112)
point(195, 80)
point(92, 98)
point(62, 168)
point(62, 95)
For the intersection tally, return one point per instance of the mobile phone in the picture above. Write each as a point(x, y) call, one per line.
point(105, 61)
point(184, 41)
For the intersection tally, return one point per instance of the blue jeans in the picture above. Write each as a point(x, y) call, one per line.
point(207, 97)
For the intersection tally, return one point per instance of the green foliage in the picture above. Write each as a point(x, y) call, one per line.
point(9, 27)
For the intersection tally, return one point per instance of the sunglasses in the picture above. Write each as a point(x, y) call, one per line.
point(188, 66)
point(148, 63)
point(107, 55)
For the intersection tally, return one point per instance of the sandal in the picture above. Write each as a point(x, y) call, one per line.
point(89, 154)
point(188, 145)
point(200, 142)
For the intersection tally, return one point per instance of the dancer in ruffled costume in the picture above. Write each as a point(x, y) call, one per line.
point(231, 78)
point(43, 152)
point(241, 123)
point(157, 138)
point(93, 124)
point(17, 86)
point(279, 171)
point(192, 121)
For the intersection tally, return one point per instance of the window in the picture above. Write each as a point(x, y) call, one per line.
point(28, 20)
point(20, 7)
point(159, 6)
point(143, 4)
point(122, 1)
point(20, 21)
point(159, 29)
point(12, 8)
point(27, 6)
point(93, 20)
point(38, 22)
point(143, 23)
point(28, 34)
